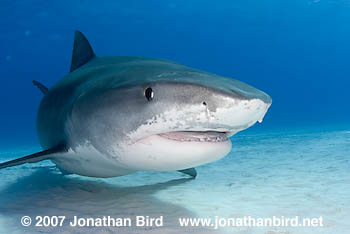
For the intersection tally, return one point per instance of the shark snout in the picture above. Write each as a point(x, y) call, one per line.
point(234, 113)
point(226, 105)
point(246, 92)
point(231, 109)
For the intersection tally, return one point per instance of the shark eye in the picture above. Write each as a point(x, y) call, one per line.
point(149, 94)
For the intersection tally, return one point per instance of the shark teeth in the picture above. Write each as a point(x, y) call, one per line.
point(195, 136)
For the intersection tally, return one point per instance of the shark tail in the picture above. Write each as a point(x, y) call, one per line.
point(40, 86)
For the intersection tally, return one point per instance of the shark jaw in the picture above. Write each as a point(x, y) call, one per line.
point(192, 136)
point(174, 143)
point(175, 150)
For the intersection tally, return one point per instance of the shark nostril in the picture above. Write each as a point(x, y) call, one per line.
point(204, 103)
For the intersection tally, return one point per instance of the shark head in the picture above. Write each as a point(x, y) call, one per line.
point(151, 114)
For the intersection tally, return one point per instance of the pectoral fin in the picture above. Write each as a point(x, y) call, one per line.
point(190, 171)
point(36, 157)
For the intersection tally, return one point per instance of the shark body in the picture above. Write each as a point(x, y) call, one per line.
point(112, 116)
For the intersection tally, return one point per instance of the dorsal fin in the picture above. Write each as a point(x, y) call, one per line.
point(82, 51)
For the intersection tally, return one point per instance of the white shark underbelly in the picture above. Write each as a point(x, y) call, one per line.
point(87, 161)
point(155, 153)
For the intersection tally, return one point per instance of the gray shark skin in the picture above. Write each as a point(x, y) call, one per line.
point(112, 116)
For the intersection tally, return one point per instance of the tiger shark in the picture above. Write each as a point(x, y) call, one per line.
point(112, 116)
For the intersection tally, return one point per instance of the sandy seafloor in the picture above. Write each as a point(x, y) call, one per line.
point(287, 173)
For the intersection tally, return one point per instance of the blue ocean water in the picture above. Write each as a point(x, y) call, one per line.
point(295, 163)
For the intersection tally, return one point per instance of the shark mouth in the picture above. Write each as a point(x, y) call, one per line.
point(190, 136)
